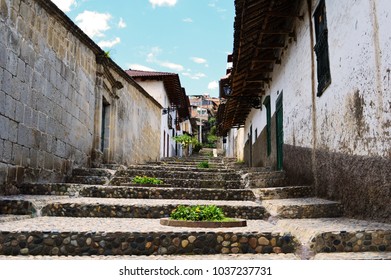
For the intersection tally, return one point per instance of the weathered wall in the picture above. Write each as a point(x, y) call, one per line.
point(339, 142)
point(48, 99)
point(139, 126)
point(353, 117)
point(342, 138)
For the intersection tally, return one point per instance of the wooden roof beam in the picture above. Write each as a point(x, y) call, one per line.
point(285, 15)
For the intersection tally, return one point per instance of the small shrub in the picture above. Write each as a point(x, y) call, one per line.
point(197, 147)
point(203, 164)
point(198, 213)
point(146, 180)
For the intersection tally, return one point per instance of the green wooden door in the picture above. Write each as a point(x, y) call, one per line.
point(279, 132)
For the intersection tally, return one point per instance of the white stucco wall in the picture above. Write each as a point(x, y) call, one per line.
point(354, 114)
point(157, 90)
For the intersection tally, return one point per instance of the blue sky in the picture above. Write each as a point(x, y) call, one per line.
point(188, 37)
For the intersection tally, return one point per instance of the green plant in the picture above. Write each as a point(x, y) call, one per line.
point(198, 213)
point(197, 147)
point(185, 140)
point(146, 180)
point(203, 164)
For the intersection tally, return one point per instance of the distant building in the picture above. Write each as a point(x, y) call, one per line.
point(166, 89)
point(309, 93)
point(203, 107)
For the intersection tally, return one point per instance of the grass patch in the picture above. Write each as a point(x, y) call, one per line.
point(146, 180)
point(203, 164)
point(210, 213)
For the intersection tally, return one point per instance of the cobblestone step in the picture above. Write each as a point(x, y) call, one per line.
point(193, 159)
point(171, 168)
point(302, 208)
point(160, 173)
point(263, 179)
point(340, 238)
point(65, 206)
point(103, 172)
point(150, 192)
point(187, 183)
point(89, 180)
point(55, 236)
point(339, 235)
point(283, 192)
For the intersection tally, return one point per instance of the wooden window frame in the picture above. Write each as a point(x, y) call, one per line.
point(322, 48)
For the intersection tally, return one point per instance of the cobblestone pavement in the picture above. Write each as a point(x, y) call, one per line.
point(303, 229)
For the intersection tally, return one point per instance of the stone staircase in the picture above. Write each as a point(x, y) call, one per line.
point(99, 211)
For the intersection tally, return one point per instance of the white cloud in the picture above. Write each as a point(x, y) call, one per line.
point(161, 3)
point(140, 67)
point(195, 76)
point(213, 85)
point(65, 5)
point(152, 58)
point(109, 44)
point(121, 23)
point(189, 20)
point(93, 23)
point(199, 60)
point(172, 66)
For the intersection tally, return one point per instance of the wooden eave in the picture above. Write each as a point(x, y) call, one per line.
point(261, 32)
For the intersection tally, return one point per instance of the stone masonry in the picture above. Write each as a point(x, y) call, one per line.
point(54, 83)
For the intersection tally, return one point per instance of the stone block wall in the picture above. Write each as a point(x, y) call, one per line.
point(48, 99)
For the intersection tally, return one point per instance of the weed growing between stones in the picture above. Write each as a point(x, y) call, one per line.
point(203, 164)
point(146, 180)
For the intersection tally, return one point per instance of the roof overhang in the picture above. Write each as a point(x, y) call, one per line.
point(176, 94)
point(262, 29)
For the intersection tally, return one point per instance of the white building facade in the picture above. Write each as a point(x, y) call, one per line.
point(166, 89)
point(321, 70)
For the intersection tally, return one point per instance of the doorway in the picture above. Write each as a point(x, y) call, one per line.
point(105, 124)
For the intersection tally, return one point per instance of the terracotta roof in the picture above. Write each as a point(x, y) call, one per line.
point(262, 29)
point(176, 94)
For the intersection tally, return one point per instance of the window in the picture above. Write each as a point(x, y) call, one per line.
point(322, 48)
point(169, 121)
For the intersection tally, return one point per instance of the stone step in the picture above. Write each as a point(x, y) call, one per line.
point(283, 192)
point(65, 206)
point(172, 168)
point(160, 173)
point(155, 257)
point(91, 176)
point(302, 208)
point(150, 192)
point(264, 179)
point(54, 236)
point(193, 159)
point(339, 235)
point(187, 183)
point(192, 164)
point(89, 180)
point(330, 238)
point(24, 205)
point(102, 172)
